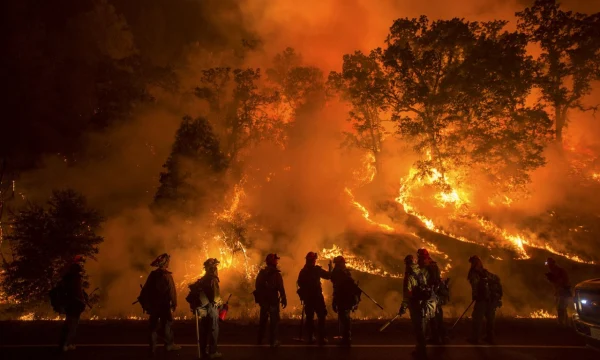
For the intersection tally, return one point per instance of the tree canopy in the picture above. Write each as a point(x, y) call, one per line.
point(365, 85)
point(193, 172)
point(570, 58)
point(458, 90)
point(44, 240)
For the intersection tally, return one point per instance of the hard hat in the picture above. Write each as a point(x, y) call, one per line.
point(272, 259)
point(423, 253)
point(211, 262)
point(474, 259)
point(161, 260)
point(312, 256)
point(339, 260)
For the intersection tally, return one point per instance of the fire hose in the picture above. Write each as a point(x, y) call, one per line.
point(463, 314)
point(370, 298)
point(389, 323)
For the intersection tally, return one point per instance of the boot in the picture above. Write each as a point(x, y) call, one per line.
point(216, 355)
point(275, 344)
point(323, 341)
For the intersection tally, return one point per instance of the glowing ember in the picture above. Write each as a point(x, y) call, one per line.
point(542, 314)
point(27, 317)
point(356, 263)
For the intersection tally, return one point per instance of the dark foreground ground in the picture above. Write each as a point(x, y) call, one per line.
point(517, 339)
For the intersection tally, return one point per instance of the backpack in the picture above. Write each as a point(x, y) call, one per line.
point(266, 288)
point(153, 290)
point(422, 292)
point(489, 288)
point(197, 297)
point(425, 295)
point(58, 298)
point(443, 292)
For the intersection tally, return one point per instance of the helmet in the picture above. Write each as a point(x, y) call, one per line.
point(312, 256)
point(409, 260)
point(161, 260)
point(211, 262)
point(339, 260)
point(475, 260)
point(550, 261)
point(272, 259)
point(422, 253)
point(78, 259)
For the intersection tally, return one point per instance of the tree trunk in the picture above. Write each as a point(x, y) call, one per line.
point(559, 124)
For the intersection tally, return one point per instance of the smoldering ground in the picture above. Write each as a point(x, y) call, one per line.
point(303, 206)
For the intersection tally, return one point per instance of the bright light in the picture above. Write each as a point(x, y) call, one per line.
point(583, 302)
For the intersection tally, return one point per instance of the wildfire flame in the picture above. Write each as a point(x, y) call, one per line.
point(539, 314)
point(459, 199)
point(356, 263)
point(365, 213)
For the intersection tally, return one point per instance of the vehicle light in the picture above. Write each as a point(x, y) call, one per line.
point(583, 302)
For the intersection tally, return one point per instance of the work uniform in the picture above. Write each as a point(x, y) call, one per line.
point(420, 309)
point(562, 291)
point(270, 293)
point(345, 299)
point(161, 293)
point(75, 302)
point(311, 295)
point(438, 329)
point(209, 314)
point(486, 303)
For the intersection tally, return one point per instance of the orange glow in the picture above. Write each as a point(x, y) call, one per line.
point(365, 213)
point(356, 263)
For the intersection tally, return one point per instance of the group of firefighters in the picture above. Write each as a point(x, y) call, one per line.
point(424, 295)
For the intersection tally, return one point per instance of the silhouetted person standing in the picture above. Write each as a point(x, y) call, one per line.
point(159, 300)
point(434, 280)
point(346, 296)
point(559, 278)
point(269, 294)
point(311, 295)
point(487, 294)
point(209, 324)
point(75, 300)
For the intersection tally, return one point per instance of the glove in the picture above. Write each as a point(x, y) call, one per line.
point(284, 303)
point(330, 266)
point(334, 306)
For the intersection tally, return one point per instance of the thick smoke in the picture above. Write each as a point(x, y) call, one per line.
point(304, 204)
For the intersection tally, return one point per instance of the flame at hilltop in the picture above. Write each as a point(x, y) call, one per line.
point(458, 199)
